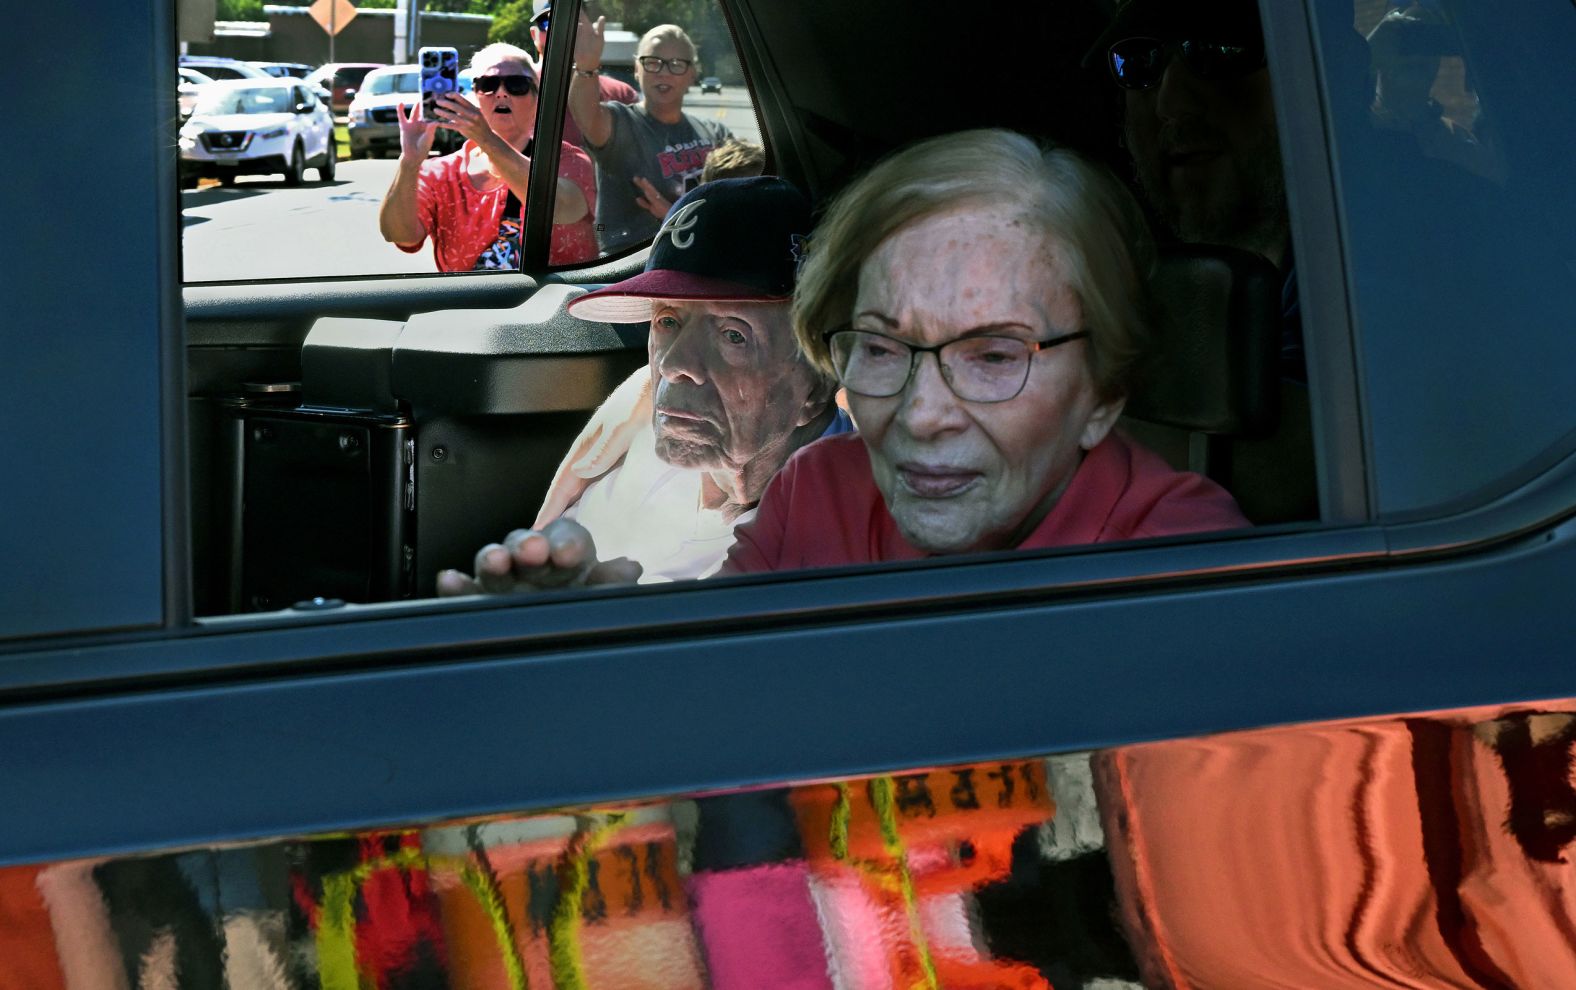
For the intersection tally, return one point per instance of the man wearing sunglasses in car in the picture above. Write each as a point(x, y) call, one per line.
point(608, 88)
point(649, 154)
point(1200, 125)
point(471, 202)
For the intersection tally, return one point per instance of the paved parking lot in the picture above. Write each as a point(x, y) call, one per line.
point(260, 228)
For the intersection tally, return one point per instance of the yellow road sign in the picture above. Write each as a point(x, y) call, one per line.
point(333, 15)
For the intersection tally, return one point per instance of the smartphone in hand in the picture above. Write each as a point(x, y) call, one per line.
point(440, 73)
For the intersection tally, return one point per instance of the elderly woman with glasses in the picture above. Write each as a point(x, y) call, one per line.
point(471, 203)
point(981, 302)
point(649, 154)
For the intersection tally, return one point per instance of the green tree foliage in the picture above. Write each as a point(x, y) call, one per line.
point(702, 19)
point(252, 10)
point(512, 23)
point(239, 10)
point(440, 6)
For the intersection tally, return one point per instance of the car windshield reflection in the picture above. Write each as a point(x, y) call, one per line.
point(271, 100)
point(399, 82)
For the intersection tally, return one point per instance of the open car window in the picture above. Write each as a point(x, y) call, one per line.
point(306, 204)
point(407, 446)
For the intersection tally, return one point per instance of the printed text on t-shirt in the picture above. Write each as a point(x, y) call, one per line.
point(677, 160)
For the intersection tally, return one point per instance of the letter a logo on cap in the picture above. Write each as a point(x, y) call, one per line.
point(679, 226)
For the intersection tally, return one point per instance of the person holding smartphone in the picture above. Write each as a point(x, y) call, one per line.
point(471, 202)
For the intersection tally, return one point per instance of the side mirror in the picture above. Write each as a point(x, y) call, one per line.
point(302, 108)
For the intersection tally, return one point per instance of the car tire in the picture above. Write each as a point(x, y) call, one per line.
point(295, 168)
point(325, 171)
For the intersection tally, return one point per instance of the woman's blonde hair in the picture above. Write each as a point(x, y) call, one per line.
point(666, 32)
point(1095, 224)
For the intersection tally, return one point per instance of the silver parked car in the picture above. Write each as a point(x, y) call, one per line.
point(374, 113)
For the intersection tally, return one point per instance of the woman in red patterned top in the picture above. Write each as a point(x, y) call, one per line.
point(471, 203)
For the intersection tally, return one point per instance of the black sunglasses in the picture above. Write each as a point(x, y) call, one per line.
point(541, 23)
point(1138, 63)
point(515, 85)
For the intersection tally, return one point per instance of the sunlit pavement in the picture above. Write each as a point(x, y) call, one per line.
point(260, 228)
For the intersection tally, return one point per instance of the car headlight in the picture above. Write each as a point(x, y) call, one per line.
point(276, 132)
point(358, 116)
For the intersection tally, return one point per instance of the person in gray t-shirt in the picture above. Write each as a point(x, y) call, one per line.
point(649, 154)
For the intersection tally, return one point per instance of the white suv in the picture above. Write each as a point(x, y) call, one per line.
point(257, 126)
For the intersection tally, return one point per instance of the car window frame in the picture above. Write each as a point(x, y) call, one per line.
point(552, 104)
point(164, 668)
point(1332, 365)
point(1301, 99)
point(1332, 360)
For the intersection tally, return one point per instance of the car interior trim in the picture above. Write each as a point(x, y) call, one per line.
point(1301, 112)
point(552, 100)
point(1073, 691)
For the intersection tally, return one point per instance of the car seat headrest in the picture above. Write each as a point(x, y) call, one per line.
point(1212, 365)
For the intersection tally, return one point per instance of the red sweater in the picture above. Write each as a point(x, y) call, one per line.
point(823, 509)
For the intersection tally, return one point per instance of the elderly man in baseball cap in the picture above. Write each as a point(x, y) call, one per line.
point(730, 394)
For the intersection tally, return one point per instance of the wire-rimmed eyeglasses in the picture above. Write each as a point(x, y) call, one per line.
point(978, 368)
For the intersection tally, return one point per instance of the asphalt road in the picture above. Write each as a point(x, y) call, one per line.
point(260, 228)
point(732, 107)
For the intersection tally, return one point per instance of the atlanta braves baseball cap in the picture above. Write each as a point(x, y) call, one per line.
point(731, 239)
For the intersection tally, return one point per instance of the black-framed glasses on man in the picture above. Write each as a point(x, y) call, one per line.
point(676, 66)
point(978, 368)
